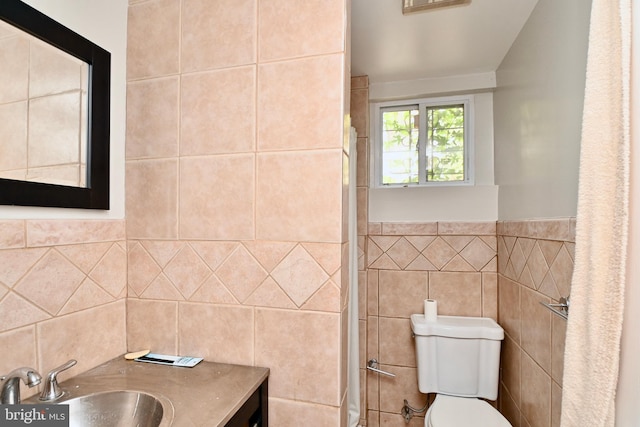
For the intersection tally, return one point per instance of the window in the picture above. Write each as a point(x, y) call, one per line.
point(423, 142)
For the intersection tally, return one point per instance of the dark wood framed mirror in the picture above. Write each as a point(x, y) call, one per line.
point(52, 122)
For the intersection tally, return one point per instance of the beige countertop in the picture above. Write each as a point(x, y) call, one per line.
point(208, 394)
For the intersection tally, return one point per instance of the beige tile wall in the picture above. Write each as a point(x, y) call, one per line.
point(252, 293)
point(62, 293)
point(535, 263)
point(453, 263)
point(456, 264)
point(235, 200)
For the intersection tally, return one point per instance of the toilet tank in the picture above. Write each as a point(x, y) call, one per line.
point(458, 356)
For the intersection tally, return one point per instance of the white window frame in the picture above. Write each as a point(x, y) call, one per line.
point(422, 103)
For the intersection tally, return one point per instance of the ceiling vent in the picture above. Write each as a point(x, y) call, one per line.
point(411, 6)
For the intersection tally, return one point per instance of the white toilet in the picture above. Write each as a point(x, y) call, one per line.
point(458, 358)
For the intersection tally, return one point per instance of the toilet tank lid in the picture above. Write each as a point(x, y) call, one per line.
point(457, 327)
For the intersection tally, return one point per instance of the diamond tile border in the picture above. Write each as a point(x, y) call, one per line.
point(430, 253)
point(51, 268)
point(256, 273)
point(538, 254)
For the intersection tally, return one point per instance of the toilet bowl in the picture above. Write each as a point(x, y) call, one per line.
point(452, 411)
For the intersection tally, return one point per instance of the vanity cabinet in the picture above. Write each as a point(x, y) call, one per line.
point(255, 411)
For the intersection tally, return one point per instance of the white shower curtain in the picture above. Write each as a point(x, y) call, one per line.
point(597, 289)
point(353, 397)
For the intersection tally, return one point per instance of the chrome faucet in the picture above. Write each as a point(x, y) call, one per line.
point(51, 390)
point(10, 383)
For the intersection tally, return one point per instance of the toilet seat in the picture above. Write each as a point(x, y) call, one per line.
point(452, 411)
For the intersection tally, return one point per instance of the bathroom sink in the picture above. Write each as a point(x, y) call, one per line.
point(120, 408)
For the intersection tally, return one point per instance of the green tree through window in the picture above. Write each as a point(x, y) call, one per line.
point(400, 146)
point(445, 143)
point(409, 156)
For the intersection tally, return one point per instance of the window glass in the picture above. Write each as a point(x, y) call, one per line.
point(400, 161)
point(445, 143)
point(422, 143)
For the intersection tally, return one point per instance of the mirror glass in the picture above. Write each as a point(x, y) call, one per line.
point(54, 113)
point(43, 111)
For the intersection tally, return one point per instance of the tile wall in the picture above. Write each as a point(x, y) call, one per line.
point(535, 264)
point(453, 263)
point(235, 198)
point(266, 287)
point(61, 282)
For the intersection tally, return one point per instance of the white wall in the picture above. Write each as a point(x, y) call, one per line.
point(538, 112)
point(447, 203)
point(104, 23)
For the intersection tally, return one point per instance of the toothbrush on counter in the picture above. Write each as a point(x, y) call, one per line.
point(136, 354)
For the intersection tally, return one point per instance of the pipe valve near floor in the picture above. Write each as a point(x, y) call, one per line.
point(407, 411)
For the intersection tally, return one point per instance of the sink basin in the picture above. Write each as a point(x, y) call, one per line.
point(120, 408)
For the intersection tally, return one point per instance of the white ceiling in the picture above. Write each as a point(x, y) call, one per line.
point(470, 39)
